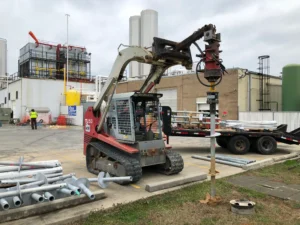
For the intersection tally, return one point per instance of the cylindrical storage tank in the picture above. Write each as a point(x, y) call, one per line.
point(149, 29)
point(134, 39)
point(72, 98)
point(291, 87)
point(3, 57)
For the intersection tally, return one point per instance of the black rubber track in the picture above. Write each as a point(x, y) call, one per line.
point(131, 165)
point(176, 164)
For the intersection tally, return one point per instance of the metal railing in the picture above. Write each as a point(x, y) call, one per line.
point(48, 74)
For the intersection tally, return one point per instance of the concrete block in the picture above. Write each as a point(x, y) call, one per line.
point(175, 182)
point(284, 157)
point(41, 208)
point(259, 164)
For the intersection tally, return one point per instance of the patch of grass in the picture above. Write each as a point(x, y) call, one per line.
point(281, 172)
point(250, 193)
point(208, 221)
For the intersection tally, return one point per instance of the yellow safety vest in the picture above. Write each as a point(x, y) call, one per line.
point(33, 115)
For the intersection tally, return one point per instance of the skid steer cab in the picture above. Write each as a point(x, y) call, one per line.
point(131, 138)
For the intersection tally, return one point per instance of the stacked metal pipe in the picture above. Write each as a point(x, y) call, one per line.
point(35, 182)
point(43, 181)
point(227, 160)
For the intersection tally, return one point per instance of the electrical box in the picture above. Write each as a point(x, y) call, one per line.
point(5, 114)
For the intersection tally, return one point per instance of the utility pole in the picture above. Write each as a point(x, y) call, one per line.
point(67, 15)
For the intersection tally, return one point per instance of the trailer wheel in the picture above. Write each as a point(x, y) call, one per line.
point(266, 145)
point(239, 145)
point(222, 142)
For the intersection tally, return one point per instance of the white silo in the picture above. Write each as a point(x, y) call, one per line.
point(149, 29)
point(134, 39)
point(3, 57)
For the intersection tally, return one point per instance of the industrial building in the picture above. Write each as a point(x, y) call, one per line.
point(239, 91)
point(46, 60)
point(39, 82)
point(142, 29)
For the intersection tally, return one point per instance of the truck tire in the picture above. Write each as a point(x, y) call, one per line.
point(222, 142)
point(266, 145)
point(239, 145)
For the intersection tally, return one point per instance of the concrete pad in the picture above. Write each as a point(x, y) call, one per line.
point(295, 197)
point(284, 157)
point(262, 189)
point(283, 192)
point(174, 182)
point(33, 210)
point(271, 184)
point(294, 186)
point(259, 164)
point(244, 181)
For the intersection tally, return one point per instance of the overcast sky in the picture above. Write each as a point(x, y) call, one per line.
point(248, 28)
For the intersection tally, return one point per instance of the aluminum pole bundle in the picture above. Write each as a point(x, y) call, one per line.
point(218, 161)
point(30, 180)
point(11, 175)
point(235, 160)
point(42, 164)
point(32, 190)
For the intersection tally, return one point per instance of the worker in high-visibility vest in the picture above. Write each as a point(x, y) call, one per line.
point(33, 117)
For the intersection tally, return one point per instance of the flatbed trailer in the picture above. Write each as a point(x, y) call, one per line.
point(236, 140)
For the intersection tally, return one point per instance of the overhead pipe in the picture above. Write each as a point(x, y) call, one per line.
point(50, 45)
point(34, 38)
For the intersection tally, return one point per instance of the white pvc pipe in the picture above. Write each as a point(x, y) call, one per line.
point(11, 175)
point(52, 178)
point(44, 164)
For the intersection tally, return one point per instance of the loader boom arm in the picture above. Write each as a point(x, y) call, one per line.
point(164, 54)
